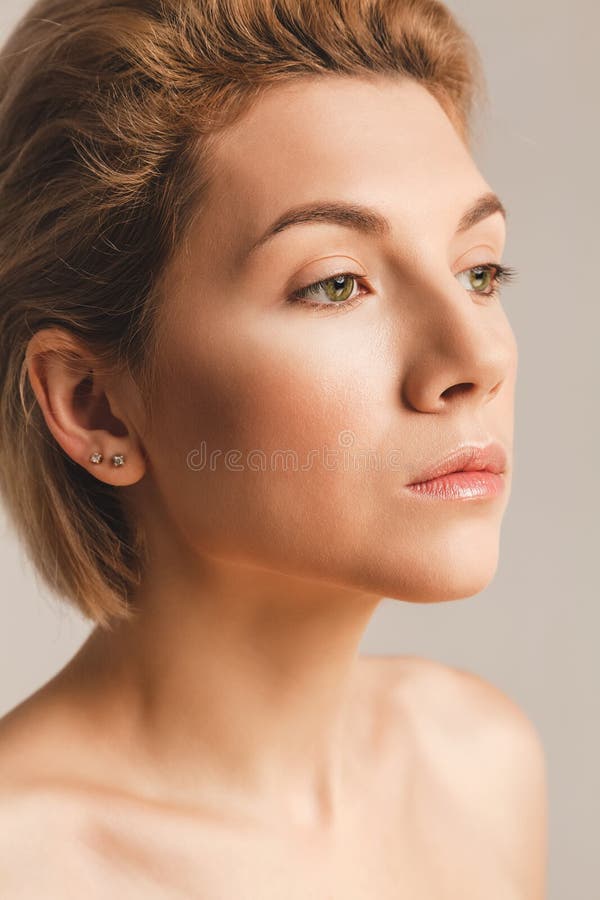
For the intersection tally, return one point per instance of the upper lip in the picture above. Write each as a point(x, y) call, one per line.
point(468, 458)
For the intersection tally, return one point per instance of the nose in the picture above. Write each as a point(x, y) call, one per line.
point(463, 352)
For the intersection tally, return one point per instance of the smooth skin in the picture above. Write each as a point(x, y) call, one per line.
point(232, 742)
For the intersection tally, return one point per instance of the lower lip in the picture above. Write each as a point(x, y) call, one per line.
point(461, 486)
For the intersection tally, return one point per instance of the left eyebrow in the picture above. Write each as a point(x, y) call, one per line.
point(367, 220)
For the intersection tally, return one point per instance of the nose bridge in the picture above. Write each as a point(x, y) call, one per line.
point(463, 346)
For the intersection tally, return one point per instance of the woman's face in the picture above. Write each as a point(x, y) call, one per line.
point(287, 432)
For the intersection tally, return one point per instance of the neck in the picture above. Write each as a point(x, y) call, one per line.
point(239, 685)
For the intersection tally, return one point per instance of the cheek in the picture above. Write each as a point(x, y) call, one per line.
point(249, 422)
point(278, 387)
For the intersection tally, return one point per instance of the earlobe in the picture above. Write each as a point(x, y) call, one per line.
point(117, 459)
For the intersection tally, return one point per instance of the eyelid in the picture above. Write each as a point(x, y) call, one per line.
point(486, 252)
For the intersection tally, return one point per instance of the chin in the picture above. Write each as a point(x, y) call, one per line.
point(435, 576)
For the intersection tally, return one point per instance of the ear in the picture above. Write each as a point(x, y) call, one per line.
point(84, 409)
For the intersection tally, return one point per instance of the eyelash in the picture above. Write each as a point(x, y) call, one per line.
point(501, 275)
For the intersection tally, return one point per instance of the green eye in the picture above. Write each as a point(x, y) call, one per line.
point(337, 289)
point(485, 279)
point(343, 290)
point(480, 278)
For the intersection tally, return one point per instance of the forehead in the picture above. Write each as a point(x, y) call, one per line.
point(382, 141)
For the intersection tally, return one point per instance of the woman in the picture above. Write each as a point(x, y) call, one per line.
point(250, 278)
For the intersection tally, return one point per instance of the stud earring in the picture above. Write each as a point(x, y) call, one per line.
point(96, 457)
point(118, 459)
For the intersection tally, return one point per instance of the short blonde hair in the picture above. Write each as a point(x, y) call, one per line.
point(106, 117)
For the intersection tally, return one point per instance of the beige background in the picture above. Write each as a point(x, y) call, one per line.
point(534, 630)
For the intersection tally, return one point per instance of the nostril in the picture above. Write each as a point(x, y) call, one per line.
point(462, 388)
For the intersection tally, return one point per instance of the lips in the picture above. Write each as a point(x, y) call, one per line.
point(468, 458)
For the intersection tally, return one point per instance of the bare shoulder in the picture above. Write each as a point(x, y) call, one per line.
point(488, 755)
point(42, 853)
point(30, 736)
point(460, 699)
point(30, 830)
point(41, 819)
